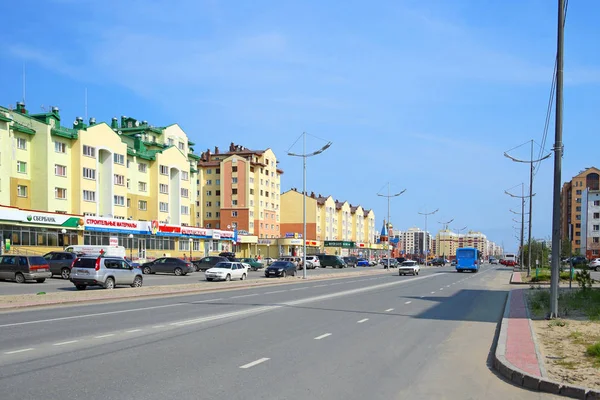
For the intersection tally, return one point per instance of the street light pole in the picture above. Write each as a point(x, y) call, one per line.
point(523, 197)
point(425, 241)
point(304, 156)
point(389, 196)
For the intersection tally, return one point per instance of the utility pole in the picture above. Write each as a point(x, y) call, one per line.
point(425, 241)
point(387, 224)
point(522, 213)
point(558, 151)
point(523, 197)
point(531, 161)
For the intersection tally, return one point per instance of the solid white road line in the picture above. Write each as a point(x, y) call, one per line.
point(389, 309)
point(63, 343)
point(18, 351)
point(276, 291)
point(133, 330)
point(320, 286)
point(323, 336)
point(362, 320)
point(408, 302)
point(205, 301)
point(103, 336)
point(244, 295)
point(253, 363)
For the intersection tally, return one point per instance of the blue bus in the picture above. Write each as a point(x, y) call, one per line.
point(467, 259)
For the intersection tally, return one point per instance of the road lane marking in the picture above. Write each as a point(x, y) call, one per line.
point(244, 295)
point(421, 297)
point(18, 351)
point(103, 336)
point(408, 302)
point(432, 292)
point(389, 309)
point(441, 288)
point(133, 330)
point(158, 326)
point(276, 291)
point(300, 288)
point(205, 301)
point(63, 343)
point(448, 285)
point(362, 320)
point(253, 363)
point(323, 336)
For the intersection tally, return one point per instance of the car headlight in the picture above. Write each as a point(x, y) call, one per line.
point(280, 269)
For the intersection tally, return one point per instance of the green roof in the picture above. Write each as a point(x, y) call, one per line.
point(193, 156)
point(65, 132)
point(5, 119)
point(190, 143)
point(22, 128)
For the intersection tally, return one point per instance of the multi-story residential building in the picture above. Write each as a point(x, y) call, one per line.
point(416, 242)
point(370, 232)
point(358, 224)
point(590, 223)
point(448, 241)
point(240, 189)
point(571, 206)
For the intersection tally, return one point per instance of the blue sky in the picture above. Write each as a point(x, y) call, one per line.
point(424, 94)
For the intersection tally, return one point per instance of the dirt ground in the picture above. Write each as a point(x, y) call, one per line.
point(563, 349)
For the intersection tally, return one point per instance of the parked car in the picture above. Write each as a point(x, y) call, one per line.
point(254, 264)
point(60, 262)
point(208, 262)
point(373, 262)
point(393, 263)
point(438, 262)
point(409, 267)
point(24, 268)
point(329, 260)
point(493, 260)
point(226, 271)
point(297, 261)
point(579, 260)
point(453, 263)
point(229, 255)
point(280, 268)
point(106, 272)
point(312, 262)
point(168, 264)
point(595, 264)
point(351, 261)
point(363, 263)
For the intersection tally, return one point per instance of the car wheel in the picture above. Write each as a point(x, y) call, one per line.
point(283, 274)
point(109, 284)
point(41, 280)
point(243, 277)
point(137, 282)
point(399, 273)
point(147, 270)
point(80, 287)
point(209, 279)
point(65, 273)
point(228, 278)
point(178, 271)
point(196, 268)
point(19, 278)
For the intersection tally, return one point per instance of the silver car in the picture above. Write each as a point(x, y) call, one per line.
point(107, 272)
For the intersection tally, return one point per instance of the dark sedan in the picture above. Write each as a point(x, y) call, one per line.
point(169, 265)
point(280, 268)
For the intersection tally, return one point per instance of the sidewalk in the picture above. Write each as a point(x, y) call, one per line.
point(517, 357)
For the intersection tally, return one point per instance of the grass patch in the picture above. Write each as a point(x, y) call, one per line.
point(593, 351)
point(566, 364)
point(557, 322)
point(544, 274)
point(579, 303)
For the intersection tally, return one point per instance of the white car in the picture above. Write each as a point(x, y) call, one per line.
point(409, 267)
point(595, 264)
point(313, 262)
point(226, 271)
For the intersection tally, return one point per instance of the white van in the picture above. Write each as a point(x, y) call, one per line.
point(113, 251)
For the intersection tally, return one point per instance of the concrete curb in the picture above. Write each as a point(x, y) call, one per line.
point(248, 284)
point(524, 379)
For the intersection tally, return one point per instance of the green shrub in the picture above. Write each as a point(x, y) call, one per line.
point(594, 350)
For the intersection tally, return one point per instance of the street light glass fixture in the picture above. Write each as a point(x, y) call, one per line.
point(304, 156)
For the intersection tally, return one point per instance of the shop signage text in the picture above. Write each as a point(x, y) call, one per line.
point(339, 243)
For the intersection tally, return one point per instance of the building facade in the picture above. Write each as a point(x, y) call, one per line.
point(590, 223)
point(572, 208)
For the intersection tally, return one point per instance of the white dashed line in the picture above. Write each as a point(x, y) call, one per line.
point(432, 292)
point(408, 302)
point(18, 351)
point(63, 343)
point(253, 363)
point(244, 295)
point(300, 288)
point(205, 301)
point(389, 309)
point(362, 320)
point(158, 326)
point(320, 286)
point(323, 336)
point(103, 336)
point(447, 285)
point(441, 288)
point(133, 330)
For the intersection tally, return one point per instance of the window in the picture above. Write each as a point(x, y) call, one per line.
point(208, 182)
point(128, 205)
point(596, 228)
point(60, 147)
point(218, 204)
point(234, 213)
point(181, 146)
point(128, 183)
point(251, 180)
point(578, 208)
point(251, 191)
point(234, 169)
point(218, 193)
point(163, 207)
point(233, 191)
point(208, 204)
point(60, 170)
point(218, 171)
point(234, 180)
point(142, 205)
point(119, 180)
point(208, 214)
point(578, 200)
point(119, 158)
point(89, 151)
point(89, 195)
point(162, 188)
point(597, 203)
point(185, 210)
point(577, 233)
point(89, 173)
point(185, 192)
point(21, 167)
point(164, 170)
point(142, 186)
point(217, 182)
point(60, 193)
point(185, 175)
point(171, 142)
point(209, 193)
point(578, 192)
point(119, 200)
point(596, 215)
point(142, 167)
point(217, 214)
point(596, 240)
point(577, 225)
point(128, 163)
point(21, 144)
point(209, 171)
point(21, 191)
point(234, 202)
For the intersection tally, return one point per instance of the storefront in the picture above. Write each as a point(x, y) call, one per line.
point(136, 236)
point(27, 228)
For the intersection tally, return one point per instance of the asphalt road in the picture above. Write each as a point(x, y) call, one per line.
point(58, 284)
point(378, 337)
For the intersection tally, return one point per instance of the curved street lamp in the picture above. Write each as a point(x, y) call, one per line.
point(387, 228)
point(425, 242)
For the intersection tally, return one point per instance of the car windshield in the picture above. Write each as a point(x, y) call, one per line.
point(223, 265)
